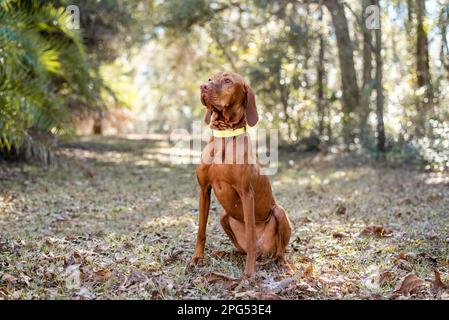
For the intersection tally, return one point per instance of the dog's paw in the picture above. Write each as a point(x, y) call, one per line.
point(248, 274)
point(196, 261)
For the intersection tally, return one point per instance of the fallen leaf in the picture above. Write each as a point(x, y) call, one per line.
point(437, 284)
point(3, 293)
point(402, 256)
point(377, 231)
point(136, 277)
point(244, 294)
point(340, 235)
point(50, 256)
point(385, 278)
point(19, 243)
point(23, 278)
point(9, 278)
point(402, 262)
point(303, 220)
point(340, 210)
point(75, 258)
point(99, 248)
point(308, 271)
point(331, 254)
point(78, 257)
point(128, 245)
point(212, 278)
point(303, 259)
point(375, 296)
point(408, 285)
point(173, 256)
point(428, 257)
point(219, 254)
point(50, 241)
point(101, 274)
point(304, 286)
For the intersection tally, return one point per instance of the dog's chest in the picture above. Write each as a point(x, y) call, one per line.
point(224, 180)
point(232, 150)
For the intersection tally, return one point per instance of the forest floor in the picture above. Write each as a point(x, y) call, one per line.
point(360, 230)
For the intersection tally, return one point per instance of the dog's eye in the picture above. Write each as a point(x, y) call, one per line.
point(228, 80)
point(209, 80)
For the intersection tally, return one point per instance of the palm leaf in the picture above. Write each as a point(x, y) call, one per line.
point(42, 63)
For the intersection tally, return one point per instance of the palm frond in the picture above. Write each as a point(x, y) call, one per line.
point(42, 63)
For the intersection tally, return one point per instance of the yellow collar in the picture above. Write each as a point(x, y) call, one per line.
point(228, 133)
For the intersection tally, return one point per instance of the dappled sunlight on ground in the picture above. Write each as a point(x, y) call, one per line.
point(129, 231)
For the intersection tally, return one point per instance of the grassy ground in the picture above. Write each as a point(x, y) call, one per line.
point(129, 231)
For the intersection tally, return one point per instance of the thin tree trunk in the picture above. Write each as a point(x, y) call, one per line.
point(320, 81)
point(379, 89)
point(409, 12)
point(284, 101)
point(284, 94)
point(306, 52)
point(367, 75)
point(350, 89)
point(423, 67)
point(444, 51)
point(422, 50)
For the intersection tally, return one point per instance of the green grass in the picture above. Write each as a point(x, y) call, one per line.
point(129, 232)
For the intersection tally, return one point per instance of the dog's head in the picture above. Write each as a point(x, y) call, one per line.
point(226, 93)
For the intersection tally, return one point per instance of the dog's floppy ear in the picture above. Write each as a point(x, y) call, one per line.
point(207, 116)
point(208, 112)
point(250, 104)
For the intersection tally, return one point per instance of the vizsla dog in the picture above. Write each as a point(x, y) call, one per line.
point(252, 219)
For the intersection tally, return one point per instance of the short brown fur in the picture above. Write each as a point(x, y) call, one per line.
point(252, 219)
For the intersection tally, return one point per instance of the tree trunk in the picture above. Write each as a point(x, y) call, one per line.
point(444, 51)
point(367, 75)
point(320, 82)
point(306, 53)
point(409, 12)
point(284, 101)
point(379, 89)
point(423, 68)
point(350, 89)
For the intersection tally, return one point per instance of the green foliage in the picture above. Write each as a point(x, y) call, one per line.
point(430, 151)
point(43, 69)
point(182, 15)
point(111, 27)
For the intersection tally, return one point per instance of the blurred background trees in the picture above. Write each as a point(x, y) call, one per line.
point(320, 74)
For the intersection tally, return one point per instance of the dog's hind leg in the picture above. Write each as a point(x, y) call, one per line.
point(284, 231)
point(225, 223)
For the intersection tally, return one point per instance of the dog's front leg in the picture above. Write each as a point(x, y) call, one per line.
point(204, 205)
point(247, 197)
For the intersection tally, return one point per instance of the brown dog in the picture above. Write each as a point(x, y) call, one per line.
point(252, 219)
